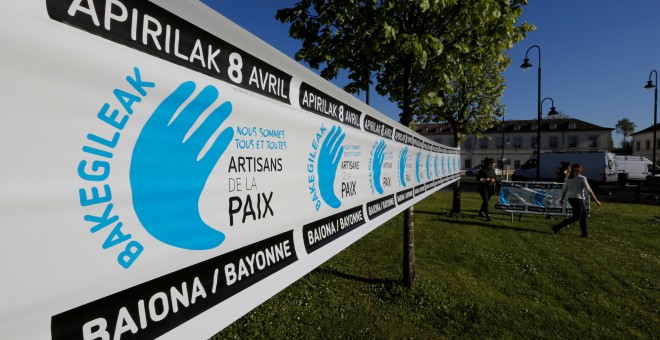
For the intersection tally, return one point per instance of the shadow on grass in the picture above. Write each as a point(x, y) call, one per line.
point(480, 223)
point(386, 282)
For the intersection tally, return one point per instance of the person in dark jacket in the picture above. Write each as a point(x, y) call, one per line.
point(563, 171)
point(486, 178)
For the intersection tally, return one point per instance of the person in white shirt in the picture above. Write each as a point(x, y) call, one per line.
point(574, 188)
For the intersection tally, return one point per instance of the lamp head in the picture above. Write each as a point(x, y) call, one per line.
point(553, 111)
point(525, 65)
point(649, 85)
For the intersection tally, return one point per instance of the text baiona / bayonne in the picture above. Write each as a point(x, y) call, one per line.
point(151, 309)
point(321, 232)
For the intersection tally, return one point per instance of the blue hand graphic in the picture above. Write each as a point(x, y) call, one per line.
point(402, 166)
point(169, 171)
point(329, 157)
point(538, 198)
point(504, 195)
point(428, 166)
point(378, 165)
point(418, 160)
point(435, 166)
point(442, 165)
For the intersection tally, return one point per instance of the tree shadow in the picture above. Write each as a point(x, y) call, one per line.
point(492, 225)
point(431, 212)
point(386, 282)
point(480, 223)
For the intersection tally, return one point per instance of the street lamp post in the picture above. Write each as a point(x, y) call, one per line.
point(650, 85)
point(525, 66)
point(553, 109)
point(505, 167)
point(552, 112)
point(502, 141)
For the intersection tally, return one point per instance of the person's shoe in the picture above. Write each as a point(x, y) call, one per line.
point(587, 236)
point(481, 214)
point(555, 230)
point(489, 218)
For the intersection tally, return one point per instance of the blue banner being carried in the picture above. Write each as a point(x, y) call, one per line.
point(533, 198)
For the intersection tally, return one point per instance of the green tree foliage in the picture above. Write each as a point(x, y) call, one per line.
point(415, 49)
point(625, 127)
point(421, 52)
point(470, 106)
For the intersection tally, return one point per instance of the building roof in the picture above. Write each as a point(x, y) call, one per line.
point(552, 124)
point(648, 129)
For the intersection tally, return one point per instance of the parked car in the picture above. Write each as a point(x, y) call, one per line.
point(475, 170)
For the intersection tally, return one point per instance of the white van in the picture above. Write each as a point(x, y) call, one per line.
point(634, 168)
point(597, 166)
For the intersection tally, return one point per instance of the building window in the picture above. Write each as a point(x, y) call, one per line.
point(517, 142)
point(424, 130)
point(516, 127)
point(468, 143)
point(553, 126)
point(657, 144)
point(535, 127)
point(648, 144)
point(554, 142)
point(516, 164)
point(499, 142)
point(593, 141)
point(572, 142)
point(438, 129)
point(571, 125)
point(483, 143)
point(639, 145)
point(468, 163)
point(533, 143)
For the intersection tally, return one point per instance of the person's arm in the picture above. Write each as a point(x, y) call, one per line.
point(483, 176)
point(563, 193)
point(591, 192)
point(594, 197)
point(493, 177)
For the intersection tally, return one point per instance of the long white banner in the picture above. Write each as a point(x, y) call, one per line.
point(533, 198)
point(164, 172)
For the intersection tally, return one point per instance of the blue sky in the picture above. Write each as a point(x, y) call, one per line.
point(596, 57)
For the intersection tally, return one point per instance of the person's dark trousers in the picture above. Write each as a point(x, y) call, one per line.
point(486, 191)
point(579, 214)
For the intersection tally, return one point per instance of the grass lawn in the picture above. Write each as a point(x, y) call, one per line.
point(478, 279)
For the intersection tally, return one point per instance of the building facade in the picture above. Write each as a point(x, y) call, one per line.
point(513, 142)
point(642, 142)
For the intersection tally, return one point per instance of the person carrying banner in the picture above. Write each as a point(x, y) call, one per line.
point(486, 178)
point(563, 171)
point(575, 187)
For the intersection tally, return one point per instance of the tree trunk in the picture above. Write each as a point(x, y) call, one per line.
point(456, 203)
point(409, 274)
point(408, 225)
